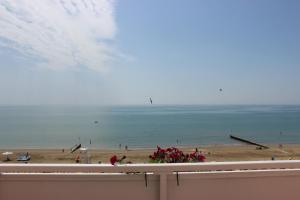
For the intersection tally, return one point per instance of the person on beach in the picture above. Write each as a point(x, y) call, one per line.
point(77, 160)
point(126, 148)
point(273, 158)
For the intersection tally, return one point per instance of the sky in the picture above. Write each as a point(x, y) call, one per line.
point(121, 52)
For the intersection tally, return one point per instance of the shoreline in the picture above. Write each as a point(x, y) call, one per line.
point(141, 155)
point(149, 148)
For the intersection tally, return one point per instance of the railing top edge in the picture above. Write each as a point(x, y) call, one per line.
point(151, 164)
point(157, 168)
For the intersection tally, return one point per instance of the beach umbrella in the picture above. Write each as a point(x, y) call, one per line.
point(75, 148)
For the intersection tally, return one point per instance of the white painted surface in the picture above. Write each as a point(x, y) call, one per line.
point(274, 180)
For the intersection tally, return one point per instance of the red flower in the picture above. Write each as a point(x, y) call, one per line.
point(152, 157)
point(192, 155)
point(162, 151)
point(201, 158)
point(172, 156)
point(113, 159)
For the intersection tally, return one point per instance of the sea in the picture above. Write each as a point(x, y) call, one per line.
point(109, 127)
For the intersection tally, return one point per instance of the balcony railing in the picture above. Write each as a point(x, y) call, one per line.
point(211, 180)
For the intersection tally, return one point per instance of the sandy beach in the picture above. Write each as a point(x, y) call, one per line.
point(212, 153)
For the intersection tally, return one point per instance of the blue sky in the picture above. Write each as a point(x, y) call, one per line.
point(176, 51)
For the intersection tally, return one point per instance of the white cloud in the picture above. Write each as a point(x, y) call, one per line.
point(60, 34)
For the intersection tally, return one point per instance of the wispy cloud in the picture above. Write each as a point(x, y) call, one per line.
point(60, 34)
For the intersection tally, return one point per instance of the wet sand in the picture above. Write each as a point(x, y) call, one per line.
point(212, 153)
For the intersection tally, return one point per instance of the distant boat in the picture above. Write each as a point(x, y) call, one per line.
point(75, 148)
point(96, 122)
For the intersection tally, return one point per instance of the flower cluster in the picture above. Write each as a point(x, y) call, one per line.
point(174, 155)
point(197, 156)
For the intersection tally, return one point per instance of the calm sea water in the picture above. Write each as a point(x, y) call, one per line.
point(145, 126)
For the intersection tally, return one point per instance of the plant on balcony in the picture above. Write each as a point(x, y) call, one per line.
point(174, 155)
point(197, 156)
point(115, 160)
